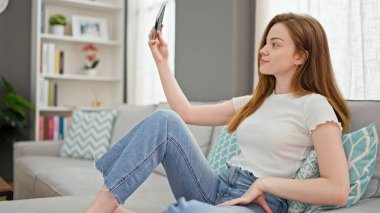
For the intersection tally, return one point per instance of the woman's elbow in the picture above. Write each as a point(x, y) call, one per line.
point(342, 195)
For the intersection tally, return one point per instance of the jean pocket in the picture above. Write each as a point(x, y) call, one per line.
point(251, 176)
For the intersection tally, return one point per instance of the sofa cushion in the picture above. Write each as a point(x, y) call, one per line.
point(154, 195)
point(48, 205)
point(26, 169)
point(363, 206)
point(223, 150)
point(68, 181)
point(363, 113)
point(89, 134)
point(361, 149)
point(128, 116)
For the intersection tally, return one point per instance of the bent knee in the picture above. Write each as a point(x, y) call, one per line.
point(166, 113)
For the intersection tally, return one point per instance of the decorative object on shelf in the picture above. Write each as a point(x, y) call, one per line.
point(90, 27)
point(95, 102)
point(13, 116)
point(91, 59)
point(57, 24)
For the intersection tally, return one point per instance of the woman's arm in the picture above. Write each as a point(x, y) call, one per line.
point(207, 115)
point(332, 188)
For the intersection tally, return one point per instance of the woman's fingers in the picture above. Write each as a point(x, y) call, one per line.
point(151, 43)
point(245, 201)
point(233, 202)
point(265, 207)
point(152, 33)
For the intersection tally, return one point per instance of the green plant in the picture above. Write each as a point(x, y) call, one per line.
point(13, 116)
point(57, 19)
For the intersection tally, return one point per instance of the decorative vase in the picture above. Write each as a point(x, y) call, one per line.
point(92, 71)
point(57, 29)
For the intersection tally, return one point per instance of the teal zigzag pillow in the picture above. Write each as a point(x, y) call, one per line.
point(360, 148)
point(223, 149)
point(89, 134)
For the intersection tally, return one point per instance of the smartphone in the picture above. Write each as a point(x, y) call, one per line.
point(160, 16)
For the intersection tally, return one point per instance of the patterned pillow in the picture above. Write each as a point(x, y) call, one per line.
point(223, 149)
point(360, 148)
point(89, 134)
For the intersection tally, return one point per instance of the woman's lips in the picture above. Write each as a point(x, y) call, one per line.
point(263, 61)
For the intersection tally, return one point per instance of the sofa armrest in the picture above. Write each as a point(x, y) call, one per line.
point(32, 148)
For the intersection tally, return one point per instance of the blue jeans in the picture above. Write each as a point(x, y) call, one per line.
point(164, 138)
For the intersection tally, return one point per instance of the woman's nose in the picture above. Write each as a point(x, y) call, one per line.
point(263, 51)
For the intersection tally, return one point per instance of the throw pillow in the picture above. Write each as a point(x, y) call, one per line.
point(223, 149)
point(360, 148)
point(89, 134)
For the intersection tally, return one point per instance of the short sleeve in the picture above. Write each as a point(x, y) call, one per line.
point(319, 111)
point(240, 101)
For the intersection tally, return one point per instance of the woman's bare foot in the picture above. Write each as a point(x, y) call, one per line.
point(120, 209)
point(103, 203)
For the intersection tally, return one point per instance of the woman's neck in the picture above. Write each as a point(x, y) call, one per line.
point(281, 89)
point(283, 84)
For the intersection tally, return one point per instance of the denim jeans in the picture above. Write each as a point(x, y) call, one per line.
point(164, 138)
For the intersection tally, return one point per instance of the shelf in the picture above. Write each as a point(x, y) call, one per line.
point(50, 37)
point(86, 4)
point(71, 108)
point(81, 78)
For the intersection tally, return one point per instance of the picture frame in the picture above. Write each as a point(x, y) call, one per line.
point(89, 27)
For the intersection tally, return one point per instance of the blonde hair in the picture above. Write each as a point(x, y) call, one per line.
point(315, 75)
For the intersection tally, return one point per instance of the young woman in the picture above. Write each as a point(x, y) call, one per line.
point(296, 107)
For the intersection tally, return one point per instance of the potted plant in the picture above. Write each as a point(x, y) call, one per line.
point(13, 115)
point(91, 59)
point(57, 24)
point(13, 125)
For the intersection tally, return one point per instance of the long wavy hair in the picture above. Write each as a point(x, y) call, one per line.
point(315, 75)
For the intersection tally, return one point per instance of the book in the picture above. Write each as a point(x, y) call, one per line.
point(61, 61)
point(56, 127)
point(44, 92)
point(56, 61)
point(55, 94)
point(61, 127)
point(41, 130)
point(46, 128)
point(51, 94)
point(51, 51)
point(45, 58)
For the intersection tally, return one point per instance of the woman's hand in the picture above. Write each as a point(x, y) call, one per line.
point(254, 194)
point(158, 46)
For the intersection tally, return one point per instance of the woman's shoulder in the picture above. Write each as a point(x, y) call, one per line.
point(315, 100)
point(240, 101)
point(315, 97)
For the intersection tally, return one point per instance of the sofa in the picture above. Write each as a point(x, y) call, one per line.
point(45, 182)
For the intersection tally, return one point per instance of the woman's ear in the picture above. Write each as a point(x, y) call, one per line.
point(301, 57)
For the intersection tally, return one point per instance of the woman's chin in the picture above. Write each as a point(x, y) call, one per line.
point(264, 72)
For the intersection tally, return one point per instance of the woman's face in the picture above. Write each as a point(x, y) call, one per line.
point(278, 56)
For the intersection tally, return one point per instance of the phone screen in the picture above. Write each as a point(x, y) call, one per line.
point(159, 18)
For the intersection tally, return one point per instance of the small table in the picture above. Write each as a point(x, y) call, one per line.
point(6, 192)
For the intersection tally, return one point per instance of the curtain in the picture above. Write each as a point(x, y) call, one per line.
point(144, 85)
point(353, 32)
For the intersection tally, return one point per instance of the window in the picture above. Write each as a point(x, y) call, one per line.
point(353, 33)
point(144, 85)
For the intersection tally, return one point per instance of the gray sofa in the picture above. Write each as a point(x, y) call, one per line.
point(59, 184)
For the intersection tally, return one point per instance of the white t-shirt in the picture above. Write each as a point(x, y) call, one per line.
point(275, 140)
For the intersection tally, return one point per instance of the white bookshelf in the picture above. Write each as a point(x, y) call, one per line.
point(55, 38)
point(75, 89)
point(80, 78)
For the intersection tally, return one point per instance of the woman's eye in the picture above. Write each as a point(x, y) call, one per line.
point(274, 45)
